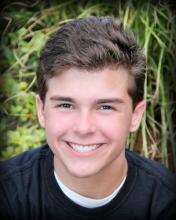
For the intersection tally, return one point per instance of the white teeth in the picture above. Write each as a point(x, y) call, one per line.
point(81, 148)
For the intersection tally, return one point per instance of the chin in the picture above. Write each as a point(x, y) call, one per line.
point(82, 173)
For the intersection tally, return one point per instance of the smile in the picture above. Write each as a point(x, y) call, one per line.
point(83, 148)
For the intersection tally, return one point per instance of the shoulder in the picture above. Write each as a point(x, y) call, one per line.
point(152, 170)
point(22, 162)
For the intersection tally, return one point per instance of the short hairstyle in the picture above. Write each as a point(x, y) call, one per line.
point(92, 43)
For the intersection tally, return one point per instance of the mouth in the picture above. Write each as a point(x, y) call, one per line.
point(83, 148)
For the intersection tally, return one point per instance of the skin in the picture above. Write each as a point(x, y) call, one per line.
point(89, 108)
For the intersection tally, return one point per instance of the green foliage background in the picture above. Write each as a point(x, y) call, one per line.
point(26, 27)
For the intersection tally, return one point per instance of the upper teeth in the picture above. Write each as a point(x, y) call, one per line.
point(81, 148)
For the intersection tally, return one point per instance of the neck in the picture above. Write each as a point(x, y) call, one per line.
point(97, 186)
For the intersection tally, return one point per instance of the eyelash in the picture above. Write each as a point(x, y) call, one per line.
point(70, 106)
point(106, 107)
point(64, 105)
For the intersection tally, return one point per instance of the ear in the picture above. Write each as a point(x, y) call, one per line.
point(137, 116)
point(40, 111)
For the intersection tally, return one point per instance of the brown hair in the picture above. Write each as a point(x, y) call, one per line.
point(92, 43)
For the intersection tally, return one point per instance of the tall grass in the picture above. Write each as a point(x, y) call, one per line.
point(23, 38)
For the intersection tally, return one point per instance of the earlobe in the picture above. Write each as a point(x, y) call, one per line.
point(40, 111)
point(137, 116)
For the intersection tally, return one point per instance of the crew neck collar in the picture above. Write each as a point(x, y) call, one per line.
point(85, 201)
point(61, 199)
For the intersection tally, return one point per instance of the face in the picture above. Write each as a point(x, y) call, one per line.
point(87, 117)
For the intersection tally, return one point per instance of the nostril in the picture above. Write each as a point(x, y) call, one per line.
point(84, 127)
point(85, 123)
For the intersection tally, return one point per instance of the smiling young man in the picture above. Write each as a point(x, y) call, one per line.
point(91, 83)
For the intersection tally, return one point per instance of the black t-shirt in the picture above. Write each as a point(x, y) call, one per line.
point(28, 190)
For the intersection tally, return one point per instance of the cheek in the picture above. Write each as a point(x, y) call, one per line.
point(56, 124)
point(116, 128)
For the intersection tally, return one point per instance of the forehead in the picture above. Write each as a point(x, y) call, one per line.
point(105, 80)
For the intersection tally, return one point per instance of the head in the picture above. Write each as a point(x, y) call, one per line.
point(90, 77)
point(93, 43)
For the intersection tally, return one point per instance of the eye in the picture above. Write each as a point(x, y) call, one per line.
point(106, 107)
point(65, 106)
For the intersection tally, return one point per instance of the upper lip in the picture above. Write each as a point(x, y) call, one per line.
point(70, 142)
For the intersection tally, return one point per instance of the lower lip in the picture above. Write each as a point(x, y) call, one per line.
point(82, 154)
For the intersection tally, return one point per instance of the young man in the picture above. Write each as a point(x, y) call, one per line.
point(91, 78)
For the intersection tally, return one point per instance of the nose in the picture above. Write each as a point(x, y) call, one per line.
point(85, 124)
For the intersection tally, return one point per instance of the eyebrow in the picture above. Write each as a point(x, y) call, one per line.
point(62, 98)
point(110, 100)
point(98, 101)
